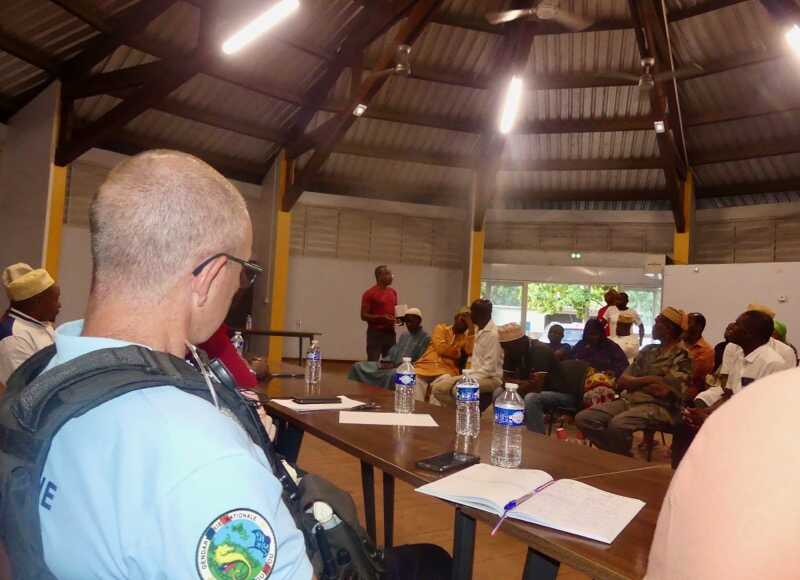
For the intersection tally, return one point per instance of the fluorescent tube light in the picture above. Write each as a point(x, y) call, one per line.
point(360, 109)
point(260, 25)
point(793, 38)
point(511, 105)
point(659, 127)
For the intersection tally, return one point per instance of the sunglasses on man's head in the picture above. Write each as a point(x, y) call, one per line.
point(249, 269)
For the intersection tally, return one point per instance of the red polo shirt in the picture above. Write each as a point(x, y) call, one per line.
point(379, 301)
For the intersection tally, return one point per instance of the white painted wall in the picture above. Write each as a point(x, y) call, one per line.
point(723, 291)
point(25, 180)
point(325, 296)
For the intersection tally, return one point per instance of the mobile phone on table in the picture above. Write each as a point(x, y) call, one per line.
point(316, 400)
point(448, 462)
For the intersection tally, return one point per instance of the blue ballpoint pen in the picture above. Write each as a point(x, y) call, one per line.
point(515, 503)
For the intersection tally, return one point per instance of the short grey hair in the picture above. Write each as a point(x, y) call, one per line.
point(156, 217)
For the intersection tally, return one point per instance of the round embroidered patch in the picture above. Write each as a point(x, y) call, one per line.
point(238, 545)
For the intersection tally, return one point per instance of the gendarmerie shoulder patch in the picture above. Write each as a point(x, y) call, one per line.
point(238, 545)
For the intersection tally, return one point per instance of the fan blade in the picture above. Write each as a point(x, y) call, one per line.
point(684, 72)
point(570, 20)
point(618, 76)
point(508, 15)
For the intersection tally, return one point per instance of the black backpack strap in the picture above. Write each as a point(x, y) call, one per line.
point(38, 404)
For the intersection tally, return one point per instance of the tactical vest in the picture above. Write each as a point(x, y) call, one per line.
point(37, 404)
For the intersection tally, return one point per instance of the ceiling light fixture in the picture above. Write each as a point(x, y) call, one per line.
point(360, 109)
point(260, 25)
point(575, 255)
point(793, 38)
point(660, 127)
point(511, 105)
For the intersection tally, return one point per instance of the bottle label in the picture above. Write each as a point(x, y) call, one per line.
point(467, 393)
point(509, 416)
point(314, 356)
point(405, 379)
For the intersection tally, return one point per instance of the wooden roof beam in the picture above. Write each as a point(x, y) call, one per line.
point(648, 29)
point(332, 131)
point(786, 185)
point(749, 151)
point(26, 52)
point(373, 21)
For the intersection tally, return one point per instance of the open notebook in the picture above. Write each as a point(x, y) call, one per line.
point(567, 505)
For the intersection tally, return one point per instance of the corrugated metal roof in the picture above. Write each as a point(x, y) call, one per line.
point(414, 175)
point(161, 127)
point(17, 76)
point(609, 145)
point(763, 170)
point(374, 133)
point(513, 183)
point(744, 132)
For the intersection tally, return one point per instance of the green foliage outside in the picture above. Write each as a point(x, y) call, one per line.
point(555, 298)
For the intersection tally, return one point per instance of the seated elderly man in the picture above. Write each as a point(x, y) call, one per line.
point(783, 349)
point(26, 327)
point(486, 362)
point(447, 353)
point(412, 345)
point(653, 388)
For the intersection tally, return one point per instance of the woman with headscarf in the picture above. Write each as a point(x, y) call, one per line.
point(602, 353)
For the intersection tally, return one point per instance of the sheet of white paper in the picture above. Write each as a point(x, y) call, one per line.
point(346, 403)
point(373, 418)
point(574, 507)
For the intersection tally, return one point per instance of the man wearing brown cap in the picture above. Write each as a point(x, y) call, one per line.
point(653, 388)
point(26, 327)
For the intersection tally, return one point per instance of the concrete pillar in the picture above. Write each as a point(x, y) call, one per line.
point(31, 208)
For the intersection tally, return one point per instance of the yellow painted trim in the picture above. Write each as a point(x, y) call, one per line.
point(55, 220)
point(682, 243)
point(475, 265)
point(280, 272)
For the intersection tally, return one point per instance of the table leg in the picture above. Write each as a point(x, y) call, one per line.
point(463, 546)
point(288, 441)
point(368, 487)
point(388, 510)
point(300, 352)
point(540, 567)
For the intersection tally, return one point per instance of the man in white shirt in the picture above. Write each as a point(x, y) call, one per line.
point(613, 312)
point(26, 327)
point(487, 357)
point(748, 357)
point(783, 349)
point(622, 334)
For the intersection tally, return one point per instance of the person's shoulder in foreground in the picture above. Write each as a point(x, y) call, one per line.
point(172, 480)
point(747, 524)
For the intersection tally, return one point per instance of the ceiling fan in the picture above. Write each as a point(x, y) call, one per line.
point(543, 10)
point(646, 81)
point(402, 59)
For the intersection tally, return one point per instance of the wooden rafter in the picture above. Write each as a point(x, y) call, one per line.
point(648, 29)
point(371, 22)
point(334, 129)
point(781, 186)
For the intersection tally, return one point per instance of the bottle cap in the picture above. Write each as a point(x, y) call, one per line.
point(466, 372)
point(314, 341)
point(406, 359)
point(512, 386)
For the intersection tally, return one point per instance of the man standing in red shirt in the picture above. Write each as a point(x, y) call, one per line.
point(377, 310)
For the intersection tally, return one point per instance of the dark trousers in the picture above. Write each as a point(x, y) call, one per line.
point(379, 341)
point(418, 562)
point(682, 438)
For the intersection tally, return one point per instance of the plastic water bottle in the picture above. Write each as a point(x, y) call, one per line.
point(248, 322)
point(313, 364)
point(468, 419)
point(405, 377)
point(509, 415)
point(238, 342)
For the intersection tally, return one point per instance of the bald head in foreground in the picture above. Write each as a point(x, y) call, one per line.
point(732, 511)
